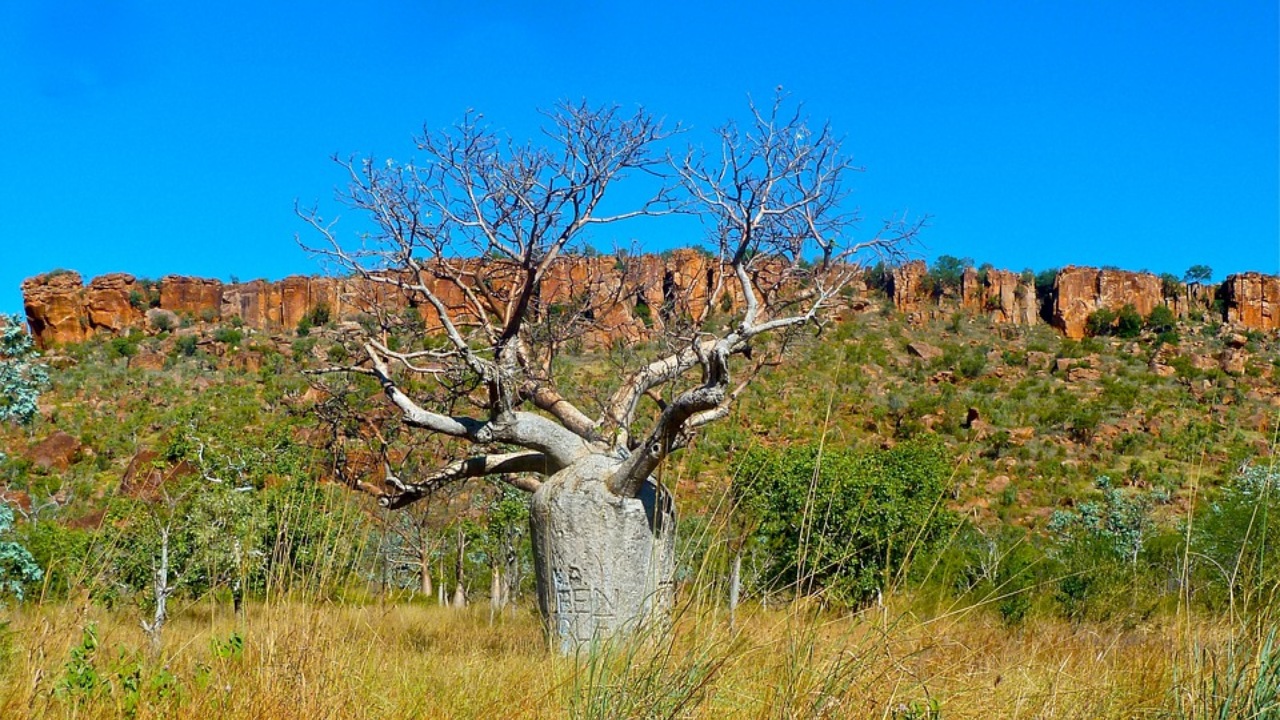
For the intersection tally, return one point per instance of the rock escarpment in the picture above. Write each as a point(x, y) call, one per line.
point(628, 297)
point(1081, 291)
point(1252, 300)
point(1005, 297)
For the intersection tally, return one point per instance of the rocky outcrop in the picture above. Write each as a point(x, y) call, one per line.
point(1252, 300)
point(1081, 291)
point(113, 302)
point(627, 297)
point(908, 285)
point(55, 308)
point(194, 297)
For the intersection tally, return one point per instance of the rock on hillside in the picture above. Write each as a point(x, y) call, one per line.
point(681, 283)
point(1081, 291)
point(1253, 300)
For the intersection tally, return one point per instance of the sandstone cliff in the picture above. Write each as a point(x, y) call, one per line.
point(1005, 297)
point(628, 297)
point(1252, 300)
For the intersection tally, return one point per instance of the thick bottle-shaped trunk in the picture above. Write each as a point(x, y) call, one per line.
point(604, 564)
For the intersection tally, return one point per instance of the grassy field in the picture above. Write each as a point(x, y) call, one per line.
point(327, 660)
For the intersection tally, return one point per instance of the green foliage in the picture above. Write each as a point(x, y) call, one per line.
point(17, 566)
point(22, 377)
point(1128, 322)
point(948, 272)
point(1100, 322)
point(60, 550)
point(80, 678)
point(185, 345)
point(1198, 274)
point(880, 278)
point(1100, 544)
point(162, 321)
point(229, 336)
point(1237, 552)
point(842, 523)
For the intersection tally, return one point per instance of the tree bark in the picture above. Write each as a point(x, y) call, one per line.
point(459, 574)
point(735, 587)
point(604, 564)
point(424, 572)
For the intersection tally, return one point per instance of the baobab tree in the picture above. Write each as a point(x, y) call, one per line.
point(478, 237)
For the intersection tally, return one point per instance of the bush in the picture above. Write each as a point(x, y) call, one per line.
point(21, 376)
point(1128, 322)
point(162, 322)
point(228, 336)
point(1100, 322)
point(185, 345)
point(844, 524)
point(1234, 533)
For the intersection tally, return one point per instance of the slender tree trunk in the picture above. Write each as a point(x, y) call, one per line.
point(440, 598)
point(460, 590)
point(237, 585)
point(160, 591)
point(424, 572)
point(511, 574)
point(496, 601)
point(735, 587)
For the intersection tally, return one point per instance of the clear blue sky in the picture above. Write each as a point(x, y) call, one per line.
point(157, 138)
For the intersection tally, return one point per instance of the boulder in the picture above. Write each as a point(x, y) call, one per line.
point(924, 351)
point(56, 452)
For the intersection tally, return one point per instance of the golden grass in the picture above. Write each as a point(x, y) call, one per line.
point(326, 660)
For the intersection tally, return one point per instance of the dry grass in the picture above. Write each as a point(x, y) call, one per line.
point(408, 661)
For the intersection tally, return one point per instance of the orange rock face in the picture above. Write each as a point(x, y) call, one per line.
point(908, 285)
point(1253, 300)
point(114, 302)
point(55, 308)
point(200, 298)
point(1003, 295)
point(1080, 291)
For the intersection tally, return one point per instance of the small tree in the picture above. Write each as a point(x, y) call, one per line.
point(948, 272)
point(1198, 274)
point(475, 233)
point(21, 376)
point(17, 567)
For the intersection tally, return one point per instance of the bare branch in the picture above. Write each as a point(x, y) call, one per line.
point(403, 493)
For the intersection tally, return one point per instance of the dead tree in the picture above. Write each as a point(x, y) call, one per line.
point(470, 245)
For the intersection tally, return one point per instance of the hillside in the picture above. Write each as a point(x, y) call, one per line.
point(1030, 414)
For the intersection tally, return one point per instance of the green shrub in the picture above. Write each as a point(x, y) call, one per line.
point(844, 524)
point(1100, 322)
point(228, 336)
point(185, 345)
point(1128, 322)
point(162, 321)
point(1161, 319)
point(1237, 551)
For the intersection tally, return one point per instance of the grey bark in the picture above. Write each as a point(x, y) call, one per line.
point(161, 590)
point(604, 564)
point(460, 590)
point(735, 587)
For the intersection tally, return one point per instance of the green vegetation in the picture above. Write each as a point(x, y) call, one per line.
point(989, 508)
point(22, 377)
